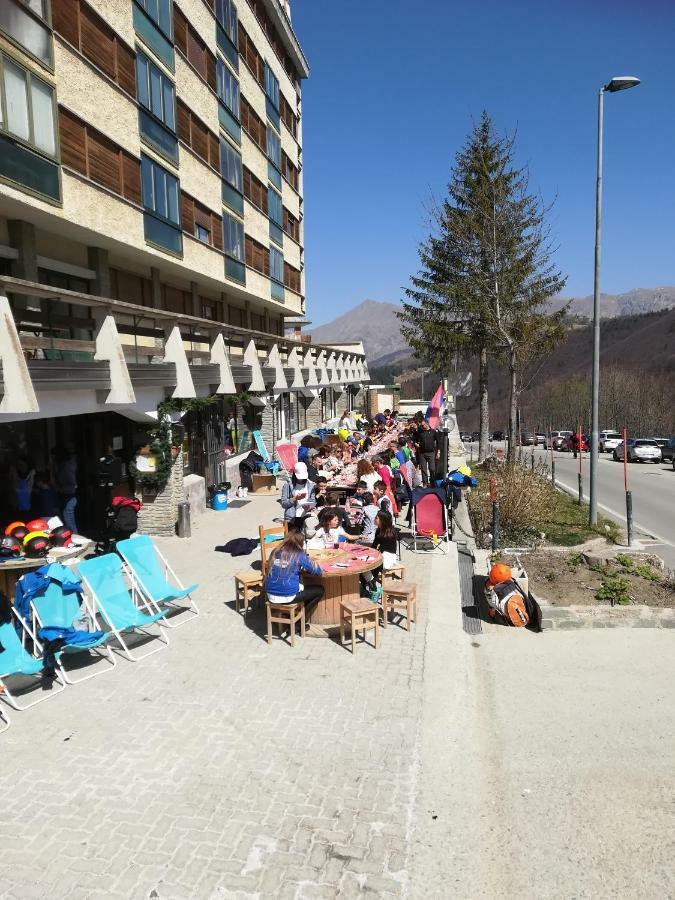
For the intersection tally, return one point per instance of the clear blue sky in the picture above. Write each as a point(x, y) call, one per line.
point(394, 88)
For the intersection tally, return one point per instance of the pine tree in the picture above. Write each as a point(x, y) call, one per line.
point(486, 273)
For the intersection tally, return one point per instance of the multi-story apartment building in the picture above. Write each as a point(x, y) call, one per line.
point(151, 226)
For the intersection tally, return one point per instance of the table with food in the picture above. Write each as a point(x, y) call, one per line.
point(340, 579)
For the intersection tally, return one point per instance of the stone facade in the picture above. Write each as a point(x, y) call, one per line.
point(159, 512)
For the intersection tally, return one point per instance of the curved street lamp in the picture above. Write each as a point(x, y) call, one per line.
point(618, 83)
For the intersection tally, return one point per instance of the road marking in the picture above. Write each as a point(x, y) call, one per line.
point(620, 516)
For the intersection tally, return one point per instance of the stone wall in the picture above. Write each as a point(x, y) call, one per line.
point(159, 511)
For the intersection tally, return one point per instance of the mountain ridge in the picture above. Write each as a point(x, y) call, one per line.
point(384, 343)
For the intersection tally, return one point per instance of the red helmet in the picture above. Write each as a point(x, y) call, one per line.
point(38, 525)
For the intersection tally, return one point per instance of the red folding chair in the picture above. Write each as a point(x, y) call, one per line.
point(429, 519)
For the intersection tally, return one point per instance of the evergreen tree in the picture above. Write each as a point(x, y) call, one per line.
point(486, 273)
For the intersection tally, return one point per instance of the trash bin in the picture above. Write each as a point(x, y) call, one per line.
point(183, 527)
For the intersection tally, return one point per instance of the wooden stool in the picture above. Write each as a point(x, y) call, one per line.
point(362, 615)
point(399, 596)
point(397, 572)
point(247, 587)
point(285, 614)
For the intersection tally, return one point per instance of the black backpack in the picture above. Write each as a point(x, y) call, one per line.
point(124, 514)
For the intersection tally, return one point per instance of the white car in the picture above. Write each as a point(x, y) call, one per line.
point(557, 439)
point(608, 441)
point(639, 450)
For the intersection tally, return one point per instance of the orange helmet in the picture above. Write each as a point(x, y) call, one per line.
point(499, 573)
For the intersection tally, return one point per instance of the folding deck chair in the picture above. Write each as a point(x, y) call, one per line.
point(288, 456)
point(15, 660)
point(59, 608)
point(271, 466)
point(429, 518)
point(157, 581)
point(116, 605)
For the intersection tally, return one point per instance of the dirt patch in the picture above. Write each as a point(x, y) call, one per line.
point(564, 578)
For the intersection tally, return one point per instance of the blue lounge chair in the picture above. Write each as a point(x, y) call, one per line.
point(156, 579)
point(15, 660)
point(58, 608)
point(269, 464)
point(112, 600)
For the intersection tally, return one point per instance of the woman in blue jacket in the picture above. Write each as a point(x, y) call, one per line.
point(283, 574)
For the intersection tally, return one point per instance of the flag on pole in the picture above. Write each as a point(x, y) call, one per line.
point(436, 404)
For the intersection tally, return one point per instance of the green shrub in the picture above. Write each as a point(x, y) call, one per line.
point(613, 590)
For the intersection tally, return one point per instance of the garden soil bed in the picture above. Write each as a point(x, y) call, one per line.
point(563, 578)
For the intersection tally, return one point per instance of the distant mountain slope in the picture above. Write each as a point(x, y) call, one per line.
point(633, 303)
point(375, 323)
point(372, 322)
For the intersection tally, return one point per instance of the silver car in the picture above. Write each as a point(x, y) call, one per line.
point(640, 450)
point(608, 441)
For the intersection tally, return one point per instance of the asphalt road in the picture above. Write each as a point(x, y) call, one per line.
point(652, 486)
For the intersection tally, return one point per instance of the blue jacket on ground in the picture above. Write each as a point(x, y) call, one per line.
point(283, 579)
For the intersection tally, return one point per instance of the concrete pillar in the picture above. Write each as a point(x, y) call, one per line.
point(196, 302)
point(22, 238)
point(156, 287)
point(247, 307)
point(97, 259)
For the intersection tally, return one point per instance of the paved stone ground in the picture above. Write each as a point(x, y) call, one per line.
point(221, 767)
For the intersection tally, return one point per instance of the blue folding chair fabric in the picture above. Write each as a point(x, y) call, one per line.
point(56, 612)
point(105, 579)
point(268, 462)
point(16, 660)
point(149, 569)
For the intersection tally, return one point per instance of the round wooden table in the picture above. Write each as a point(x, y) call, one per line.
point(340, 579)
point(13, 569)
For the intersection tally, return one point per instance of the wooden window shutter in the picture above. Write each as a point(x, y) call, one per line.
point(187, 209)
point(98, 41)
point(202, 216)
point(73, 141)
point(211, 70)
point(196, 51)
point(104, 161)
point(183, 122)
point(249, 254)
point(65, 17)
point(131, 172)
point(180, 29)
point(217, 231)
point(126, 69)
point(200, 139)
point(214, 151)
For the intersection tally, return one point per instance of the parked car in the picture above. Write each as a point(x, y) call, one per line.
point(465, 437)
point(498, 436)
point(541, 438)
point(557, 439)
point(573, 443)
point(639, 450)
point(668, 452)
point(528, 439)
point(664, 445)
point(475, 435)
point(608, 441)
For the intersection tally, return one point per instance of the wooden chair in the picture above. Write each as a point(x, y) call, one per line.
point(396, 597)
point(279, 532)
point(362, 615)
point(396, 572)
point(248, 586)
point(285, 614)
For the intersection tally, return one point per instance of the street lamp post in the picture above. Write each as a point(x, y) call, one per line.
point(619, 83)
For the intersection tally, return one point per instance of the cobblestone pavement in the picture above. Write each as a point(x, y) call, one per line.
point(221, 767)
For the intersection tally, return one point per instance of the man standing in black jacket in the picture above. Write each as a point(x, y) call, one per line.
point(428, 452)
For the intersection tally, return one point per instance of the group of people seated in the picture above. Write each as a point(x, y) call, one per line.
point(313, 511)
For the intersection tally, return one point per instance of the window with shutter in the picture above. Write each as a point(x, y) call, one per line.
point(98, 43)
point(65, 20)
point(73, 141)
point(180, 26)
point(187, 207)
point(193, 132)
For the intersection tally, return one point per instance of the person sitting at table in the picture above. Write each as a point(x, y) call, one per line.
point(330, 533)
point(298, 497)
point(333, 501)
point(370, 511)
point(357, 498)
point(366, 472)
point(386, 541)
point(380, 497)
point(282, 583)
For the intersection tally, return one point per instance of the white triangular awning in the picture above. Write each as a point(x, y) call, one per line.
point(252, 359)
point(274, 362)
point(220, 358)
point(295, 363)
